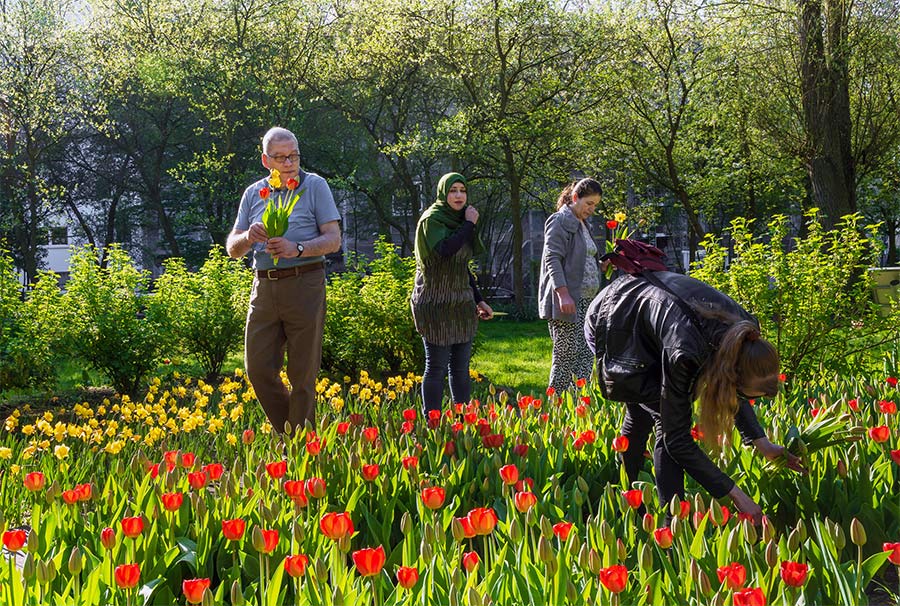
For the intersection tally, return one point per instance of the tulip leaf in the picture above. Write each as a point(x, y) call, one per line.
point(147, 591)
point(698, 545)
point(274, 590)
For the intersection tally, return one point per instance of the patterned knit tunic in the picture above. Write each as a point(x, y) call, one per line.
point(443, 305)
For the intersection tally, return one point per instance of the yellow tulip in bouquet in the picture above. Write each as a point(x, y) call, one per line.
point(278, 211)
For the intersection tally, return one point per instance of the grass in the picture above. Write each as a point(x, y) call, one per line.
point(514, 354)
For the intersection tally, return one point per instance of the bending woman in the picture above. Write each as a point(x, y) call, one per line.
point(445, 301)
point(570, 277)
point(652, 355)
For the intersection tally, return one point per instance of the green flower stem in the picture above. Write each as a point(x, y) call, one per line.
point(262, 581)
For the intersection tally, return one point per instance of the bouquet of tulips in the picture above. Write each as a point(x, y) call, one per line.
point(616, 225)
point(828, 428)
point(278, 211)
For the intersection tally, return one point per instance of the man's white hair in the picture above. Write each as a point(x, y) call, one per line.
point(275, 134)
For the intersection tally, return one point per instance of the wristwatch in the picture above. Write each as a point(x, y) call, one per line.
point(300, 249)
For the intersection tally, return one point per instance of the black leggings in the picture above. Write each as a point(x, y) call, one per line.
point(439, 360)
point(669, 474)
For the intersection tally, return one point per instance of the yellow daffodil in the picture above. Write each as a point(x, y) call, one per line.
point(275, 178)
point(231, 439)
point(61, 451)
point(15, 469)
point(11, 423)
point(5, 453)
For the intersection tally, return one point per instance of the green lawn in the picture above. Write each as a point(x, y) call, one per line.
point(514, 354)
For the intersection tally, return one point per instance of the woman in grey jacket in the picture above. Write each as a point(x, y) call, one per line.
point(569, 279)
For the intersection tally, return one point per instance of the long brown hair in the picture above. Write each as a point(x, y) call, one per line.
point(585, 187)
point(743, 359)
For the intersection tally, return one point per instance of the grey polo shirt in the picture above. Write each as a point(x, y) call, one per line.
point(314, 208)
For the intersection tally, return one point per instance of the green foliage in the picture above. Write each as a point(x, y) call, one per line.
point(204, 311)
point(25, 352)
point(369, 325)
point(111, 320)
point(812, 299)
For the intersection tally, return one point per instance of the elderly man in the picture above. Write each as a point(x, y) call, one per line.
point(287, 304)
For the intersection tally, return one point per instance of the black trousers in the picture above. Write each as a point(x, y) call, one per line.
point(639, 421)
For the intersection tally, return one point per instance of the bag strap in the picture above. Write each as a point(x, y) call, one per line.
point(687, 309)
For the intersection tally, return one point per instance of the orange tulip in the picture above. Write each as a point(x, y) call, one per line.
point(193, 589)
point(127, 576)
point(407, 576)
point(233, 530)
point(525, 501)
point(295, 565)
point(509, 474)
point(433, 497)
point(13, 540)
point(172, 501)
point(470, 561)
point(133, 527)
point(34, 481)
point(483, 520)
point(277, 469)
point(369, 562)
point(336, 526)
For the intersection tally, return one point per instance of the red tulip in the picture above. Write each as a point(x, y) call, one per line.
point(233, 530)
point(887, 407)
point(170, 457)
point(407, 576)
point(612, 224)
point(370, 472)
point(525, 501)
point(562, 530)
point(579, 383)
point(550, 391)
point(794, 573)
point(892, 381)
point(483, 520)
point(734, 575)
point(853, 404)
point(581, 411)
point(370, 434)
point(521, 450)
point(313, 448)
point(214, 470)
point(336, 526)
point(620, 443)
point(264, 193)
point(295, 565)
point(153, 470)
point(509, 474)
point(684, 509)
point(880, 434)
point(315, 487)
point(614, 578)
point(277, 469)
point(468, 529)
point(433, 497)
point(292, 184)
point(750, 597)
point(449, 448)
point(894, 548)
point(270, 540)
point(526, 484)
point(193, 589)
point(633, 497)
point(470, 561)
point(133, 527)
point(248, 436)
point(725, 515)
point(34, 481)
point(188, 459)
point(343, 427)
point(355, 418)
point(663, 537)
point(369, 562)
point(410, 462)
point(295, 488)
point(895, 455)
point(127, 576)
point(172, 501)
point(409, 414)
point(13, 540)
point(494, 440)
point(84, 491)
point(108, 538)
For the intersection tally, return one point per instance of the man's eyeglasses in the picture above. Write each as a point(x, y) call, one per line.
point(294, 158)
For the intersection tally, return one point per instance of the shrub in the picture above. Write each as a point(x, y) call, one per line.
point(812, 301)
point(205, 311)
point(25, 350)
point(369, 325)
point(111, 320)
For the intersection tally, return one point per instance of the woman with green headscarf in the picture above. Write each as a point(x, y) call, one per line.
point(445, 301)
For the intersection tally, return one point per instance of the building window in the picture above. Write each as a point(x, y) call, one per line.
point(59, 235)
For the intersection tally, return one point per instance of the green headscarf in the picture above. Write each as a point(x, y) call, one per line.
point(440, 221)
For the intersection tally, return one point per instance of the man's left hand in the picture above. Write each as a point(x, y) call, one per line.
point(281, 248)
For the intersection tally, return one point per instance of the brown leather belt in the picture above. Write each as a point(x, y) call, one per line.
point(287, 272)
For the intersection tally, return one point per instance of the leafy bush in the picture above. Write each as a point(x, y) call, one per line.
point(25, 351)
point(813, 301)
point(369, 324)
point(205, 311)
point(111, 320)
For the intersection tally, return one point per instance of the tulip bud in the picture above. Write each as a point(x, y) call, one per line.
point(772, 554)
point(275, 509)
point(584, 556)
point(76, 562)
point(344, 543)
point(768, 529)
point(454, 601)
point(623, 553)
point(473, 596)
point(32, 544)
point(120, 467)
point(457, 530)
point(840, 539)
point(695, 570)
point(579, 498)
point(546, 528)
point(857, 532)
point(716, 513)
point(456, 579)
point(647, 493)
point(675, 525)
point(703, 582)
point(557, 495)
point(545, 552)
point(718, 599)
point(552, 566)
point(172, 479)
point(734, 540)
point(237, 598)
point(201, 508)
point(237, 468)
point(427, 552)
point(571, 592)
point(266, 514)
point(582, 485)
point(649, 522)
point(794, 541)
point(515, 530)
point(406, 523)
point(504, 397)
point(749, 531)
point(699, 504)
point(841, 468)
point(338, 597)
point(43, 574)
point(595, 564)
point(321, 569)
point(429, 535)
point(606, 533)
point(801, 528)
point(208, 599)
point(646, 558)
point(531, 517)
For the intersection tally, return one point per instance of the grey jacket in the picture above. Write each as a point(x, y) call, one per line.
point(562, 263)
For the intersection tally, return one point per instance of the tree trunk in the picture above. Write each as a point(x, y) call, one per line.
point(824, 54)
point(515, 212)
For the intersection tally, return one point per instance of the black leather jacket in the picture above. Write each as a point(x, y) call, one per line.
point(649, 352)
